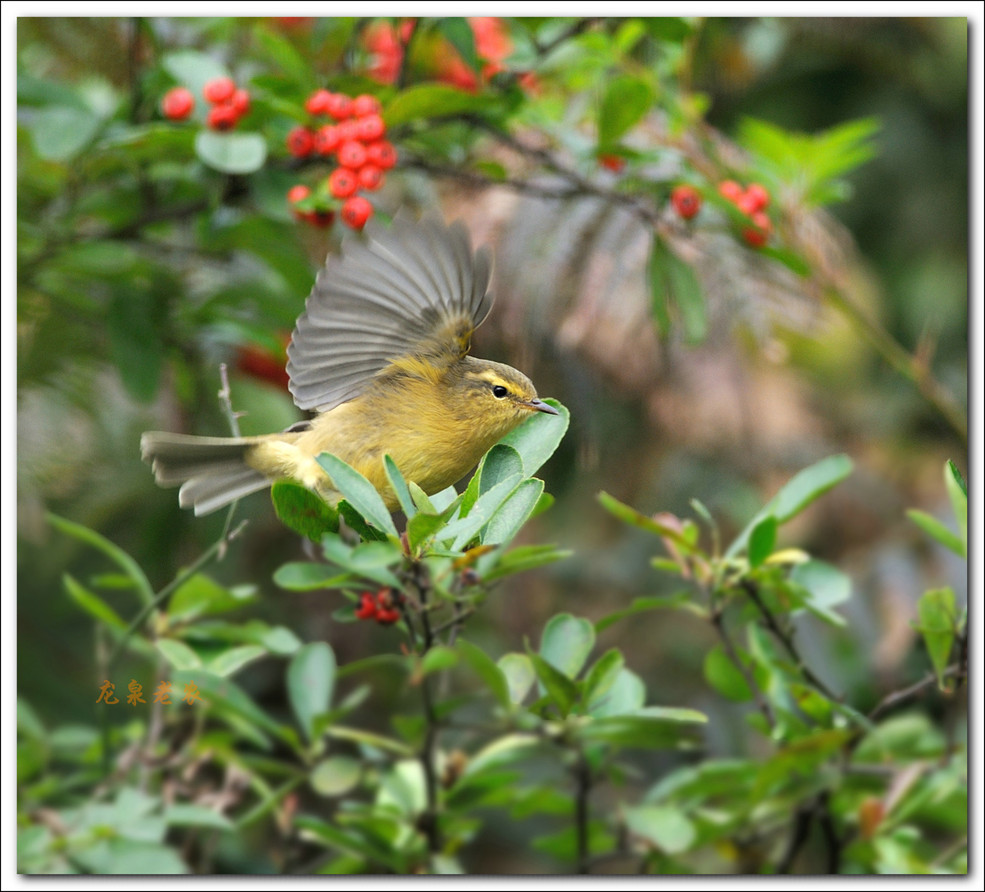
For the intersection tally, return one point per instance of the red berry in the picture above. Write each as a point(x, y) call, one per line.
point(365, 105)
point(756, 197)
point(263, 364)
point(240, 101)
point(222, 117)
point(386, 617)
point(219, 89)
point(612, 162)
point(300, 142)
point(382, 154)
point(318, 102)
point(758, 234)
point(326, 139)
point(348, 130)
point(370, 128)
point(342, 183)
point(339, 106)
point(177, 103)
point(352, 154)
point(730, 189)
point(686, 201)
point(370, 177)
point(356, 211)
point(367, 606)
point(298, 193)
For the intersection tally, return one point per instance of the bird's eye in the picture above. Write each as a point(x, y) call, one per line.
point(499, 391)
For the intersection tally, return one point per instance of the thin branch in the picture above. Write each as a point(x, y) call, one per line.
point(583, 786)
point(786, 639)
point(718, 622)
point(906, 693)
point(798, 836)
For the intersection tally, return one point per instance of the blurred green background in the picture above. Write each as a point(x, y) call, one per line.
point(725, 422)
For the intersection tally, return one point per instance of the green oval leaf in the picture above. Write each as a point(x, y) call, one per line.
point(359, 493)
point(625, 102)
point(310, 682)
point(566, 643)
point(236, 153)
point(336, 775)
point(303, 511)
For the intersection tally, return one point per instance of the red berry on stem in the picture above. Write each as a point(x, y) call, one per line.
point(318, 102)
point(382, 154)
point(219, 89)
point(222, 117)
point(370, 128)
point(758, 234)
point(367, 606)
point(612, 162)
point(240, 101)
point(370, 177)
point(326, 139)
point(352, 154)
point(756, 197)
point(300, 142)
point(387, 616)
point(298, 193)
point(342, 182)
point(339, 106)
point(348, 130)
point(177, 103)
point(365, 105)
point(730, 189)
point(356, 211)
point(686, 201)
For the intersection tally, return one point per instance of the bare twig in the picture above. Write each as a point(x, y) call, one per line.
point(912, 690)
point(718, 622)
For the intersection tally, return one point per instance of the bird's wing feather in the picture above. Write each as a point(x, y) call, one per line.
point(413, 289)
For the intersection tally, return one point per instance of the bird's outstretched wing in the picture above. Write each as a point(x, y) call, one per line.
point(414, 288)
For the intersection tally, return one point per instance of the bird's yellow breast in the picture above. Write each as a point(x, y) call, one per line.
point(432, 433)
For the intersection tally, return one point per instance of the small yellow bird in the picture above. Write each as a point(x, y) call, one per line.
point(381, 352)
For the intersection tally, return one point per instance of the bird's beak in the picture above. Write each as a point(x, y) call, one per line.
point(541, 406)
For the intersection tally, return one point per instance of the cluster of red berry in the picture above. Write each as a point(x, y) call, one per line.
point(357, 140)
point(752, 201)
point(229, 103)
point(381, 606)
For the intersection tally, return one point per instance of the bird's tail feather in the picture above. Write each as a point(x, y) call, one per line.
point(211, 471)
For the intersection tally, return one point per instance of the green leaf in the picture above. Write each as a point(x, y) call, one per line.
point(500, 463)
point(566, 643)
point(651, 727)
point(404, 787)
point(421, 528)
point(524, 557)
point(465, 529)
point(492, 676)
point(437, 659)
point(131, 319)
point(602, 676)
point(336, 775)
point(683, 291)
point(458, 33)
point(641, 605)
point(185, 814)
point(60, 133)
point(802, 489)
point(231, 152)
point(222, 695)
point(231, 661)
point(200, 594)
point(117, 555)
point(513, 513)
point(92, 604)
point(432, 101)
point(761, 540)
point(626, 694)
point(369, 739)
point(538, 437)
point(301, 510)
point(636, 519)
point(938, 622)
point(519, 674)
point(937, 531)
point(562, 691)
point(724, 676)
point(178, 654)
point(305, 576)
point(310, 682)
point(626, 101)
point(399, 485)
point(279, 50)
point(665, 827)
point(359, 492)
point(826, 587)
point(957, 491)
